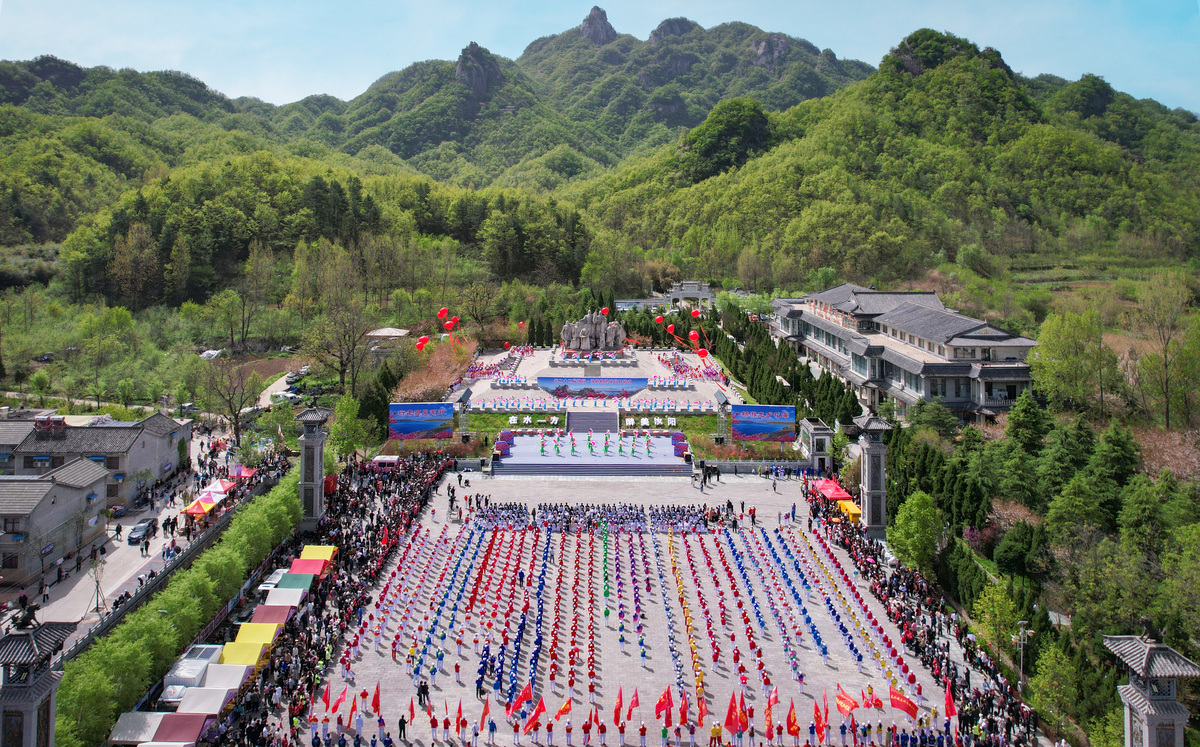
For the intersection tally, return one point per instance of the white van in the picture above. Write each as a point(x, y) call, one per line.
point(290, 397)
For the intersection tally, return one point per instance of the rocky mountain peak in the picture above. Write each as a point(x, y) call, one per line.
point(672, 27)
point(477, 69)
point(596, 28)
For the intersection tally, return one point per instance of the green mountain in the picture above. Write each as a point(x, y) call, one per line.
point(639, 93)
point(572, 163)
point(943, 148)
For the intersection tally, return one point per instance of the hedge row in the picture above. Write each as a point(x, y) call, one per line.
point(112, 675)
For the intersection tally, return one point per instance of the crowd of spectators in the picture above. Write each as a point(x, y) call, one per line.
point(365, 517)
point(990, 710)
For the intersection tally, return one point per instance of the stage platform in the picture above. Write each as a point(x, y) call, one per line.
point(526, 458)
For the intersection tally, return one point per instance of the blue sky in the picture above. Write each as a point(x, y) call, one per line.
point(282, 51)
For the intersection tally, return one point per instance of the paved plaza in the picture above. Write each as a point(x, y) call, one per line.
point(463, 580)
point(516, 388)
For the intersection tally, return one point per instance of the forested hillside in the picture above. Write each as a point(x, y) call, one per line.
point(637, 93)
point(944, 150)
point(943, 154)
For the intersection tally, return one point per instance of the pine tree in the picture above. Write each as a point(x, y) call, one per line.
point(1028, 423)
point(1117, 455)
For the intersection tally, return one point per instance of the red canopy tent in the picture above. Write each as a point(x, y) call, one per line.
point(272, 613)
point(244, 473)
point(831, 490)
point(182, 727)
point(315, 567)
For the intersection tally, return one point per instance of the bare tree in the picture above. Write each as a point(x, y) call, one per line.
point(1161, 310)
point(479, 301)
point(339, 338)
point(229, 388)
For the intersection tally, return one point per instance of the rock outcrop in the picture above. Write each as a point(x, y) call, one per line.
point(478, 69)
point(672, 27)
point(771, 51)
point(596, 28)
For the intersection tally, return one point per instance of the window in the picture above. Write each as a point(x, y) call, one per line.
point(57, 461)
point(112, 462)
point(27, 463)
point(111, 490)
point(12, 526)
point(942, 351)
point(9, 560)
point(859, 363)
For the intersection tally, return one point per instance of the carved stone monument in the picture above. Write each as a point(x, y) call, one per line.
point(592, 332)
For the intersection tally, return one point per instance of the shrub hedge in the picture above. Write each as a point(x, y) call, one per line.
point(110, 677)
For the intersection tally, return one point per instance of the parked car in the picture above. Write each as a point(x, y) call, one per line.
point(118, 510)
point(292, 378)
point(304, 370)
point(289, 397)
point(144, 529)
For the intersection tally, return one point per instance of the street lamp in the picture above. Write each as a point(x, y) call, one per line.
point(1019, 641)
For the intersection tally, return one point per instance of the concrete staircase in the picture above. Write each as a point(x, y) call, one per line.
point(580, 421)
point(616, 469)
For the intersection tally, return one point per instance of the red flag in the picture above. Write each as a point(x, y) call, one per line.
point(428, 707)
point(819, 722)
point(951, 711)
point(375, 700)
point(845, 703)
point(862, 696)
point(743, 714)
point(340, 699)
point(793, 726)
point(458, 720)
point(854, 728)
point(731, 716)
point(523, 697)
point(487, 708)
point(701, 710)
point(825, 699)
point(325, 697)
point(412, 710)
point(664, 706)
point(903, 702)
point(617, 709)
point(532, 723)
point(563, 710)
point(385, 536)
point(683, 709)
point(353, 708)
point(772, 699)
point(633, 703)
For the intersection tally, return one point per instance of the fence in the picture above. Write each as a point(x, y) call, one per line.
point(183, 560)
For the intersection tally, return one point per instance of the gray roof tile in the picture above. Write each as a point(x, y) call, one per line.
point(1150, 658)
point(20, 495)
point(96, 439)
point(12, 432)
point(938, 325)
point(159, 424)
point(79, 473)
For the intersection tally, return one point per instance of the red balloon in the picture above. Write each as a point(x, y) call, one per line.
point(420, 346)
point(423, 339)
point(520, 324)
point(702, 353)
point(442, 312)
point(693, 335)
point(449, 325)
point(454, 319)
point(658, 319)
point(604, 311)
point(671, 329)
point(695, 313)
point(506, 345)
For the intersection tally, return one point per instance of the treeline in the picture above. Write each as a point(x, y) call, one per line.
point(1070, 518)
point(900, 172)
point(190, 233)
